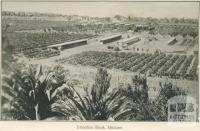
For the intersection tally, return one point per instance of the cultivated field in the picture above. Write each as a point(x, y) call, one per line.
point(174, 66)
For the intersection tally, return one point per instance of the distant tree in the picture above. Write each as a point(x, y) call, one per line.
point(174, 20)
point(118, 17)
point(129, 17)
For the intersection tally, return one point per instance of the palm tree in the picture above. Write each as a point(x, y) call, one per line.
point(159, 105)
point(137, 101)
point(143, 109)
point(98, 104)
point(30, 92)
point(7, 48)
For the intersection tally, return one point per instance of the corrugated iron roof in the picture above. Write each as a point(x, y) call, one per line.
point(67, 43)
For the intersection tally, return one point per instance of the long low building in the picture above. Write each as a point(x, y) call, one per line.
point(172, 41)
point(69, 44)
point(130, 41)
point(110, 39)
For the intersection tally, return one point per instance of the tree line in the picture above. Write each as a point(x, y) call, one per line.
point(118, 17)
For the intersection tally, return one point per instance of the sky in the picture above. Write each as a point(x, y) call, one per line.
point(107, 9)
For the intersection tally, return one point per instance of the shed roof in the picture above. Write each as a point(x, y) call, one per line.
point(129, 40)
point(68, 43)
point(110, 37)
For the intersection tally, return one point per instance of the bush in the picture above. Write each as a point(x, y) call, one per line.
point(116, 49)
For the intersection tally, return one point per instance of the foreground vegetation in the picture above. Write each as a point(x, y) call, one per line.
point(43, 93)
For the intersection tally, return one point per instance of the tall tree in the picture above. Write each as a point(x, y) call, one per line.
point(98, 104)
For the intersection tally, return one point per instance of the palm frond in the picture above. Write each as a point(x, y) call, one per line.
point(4, 100)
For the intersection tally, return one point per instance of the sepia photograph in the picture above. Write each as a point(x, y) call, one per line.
point(100, 61)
